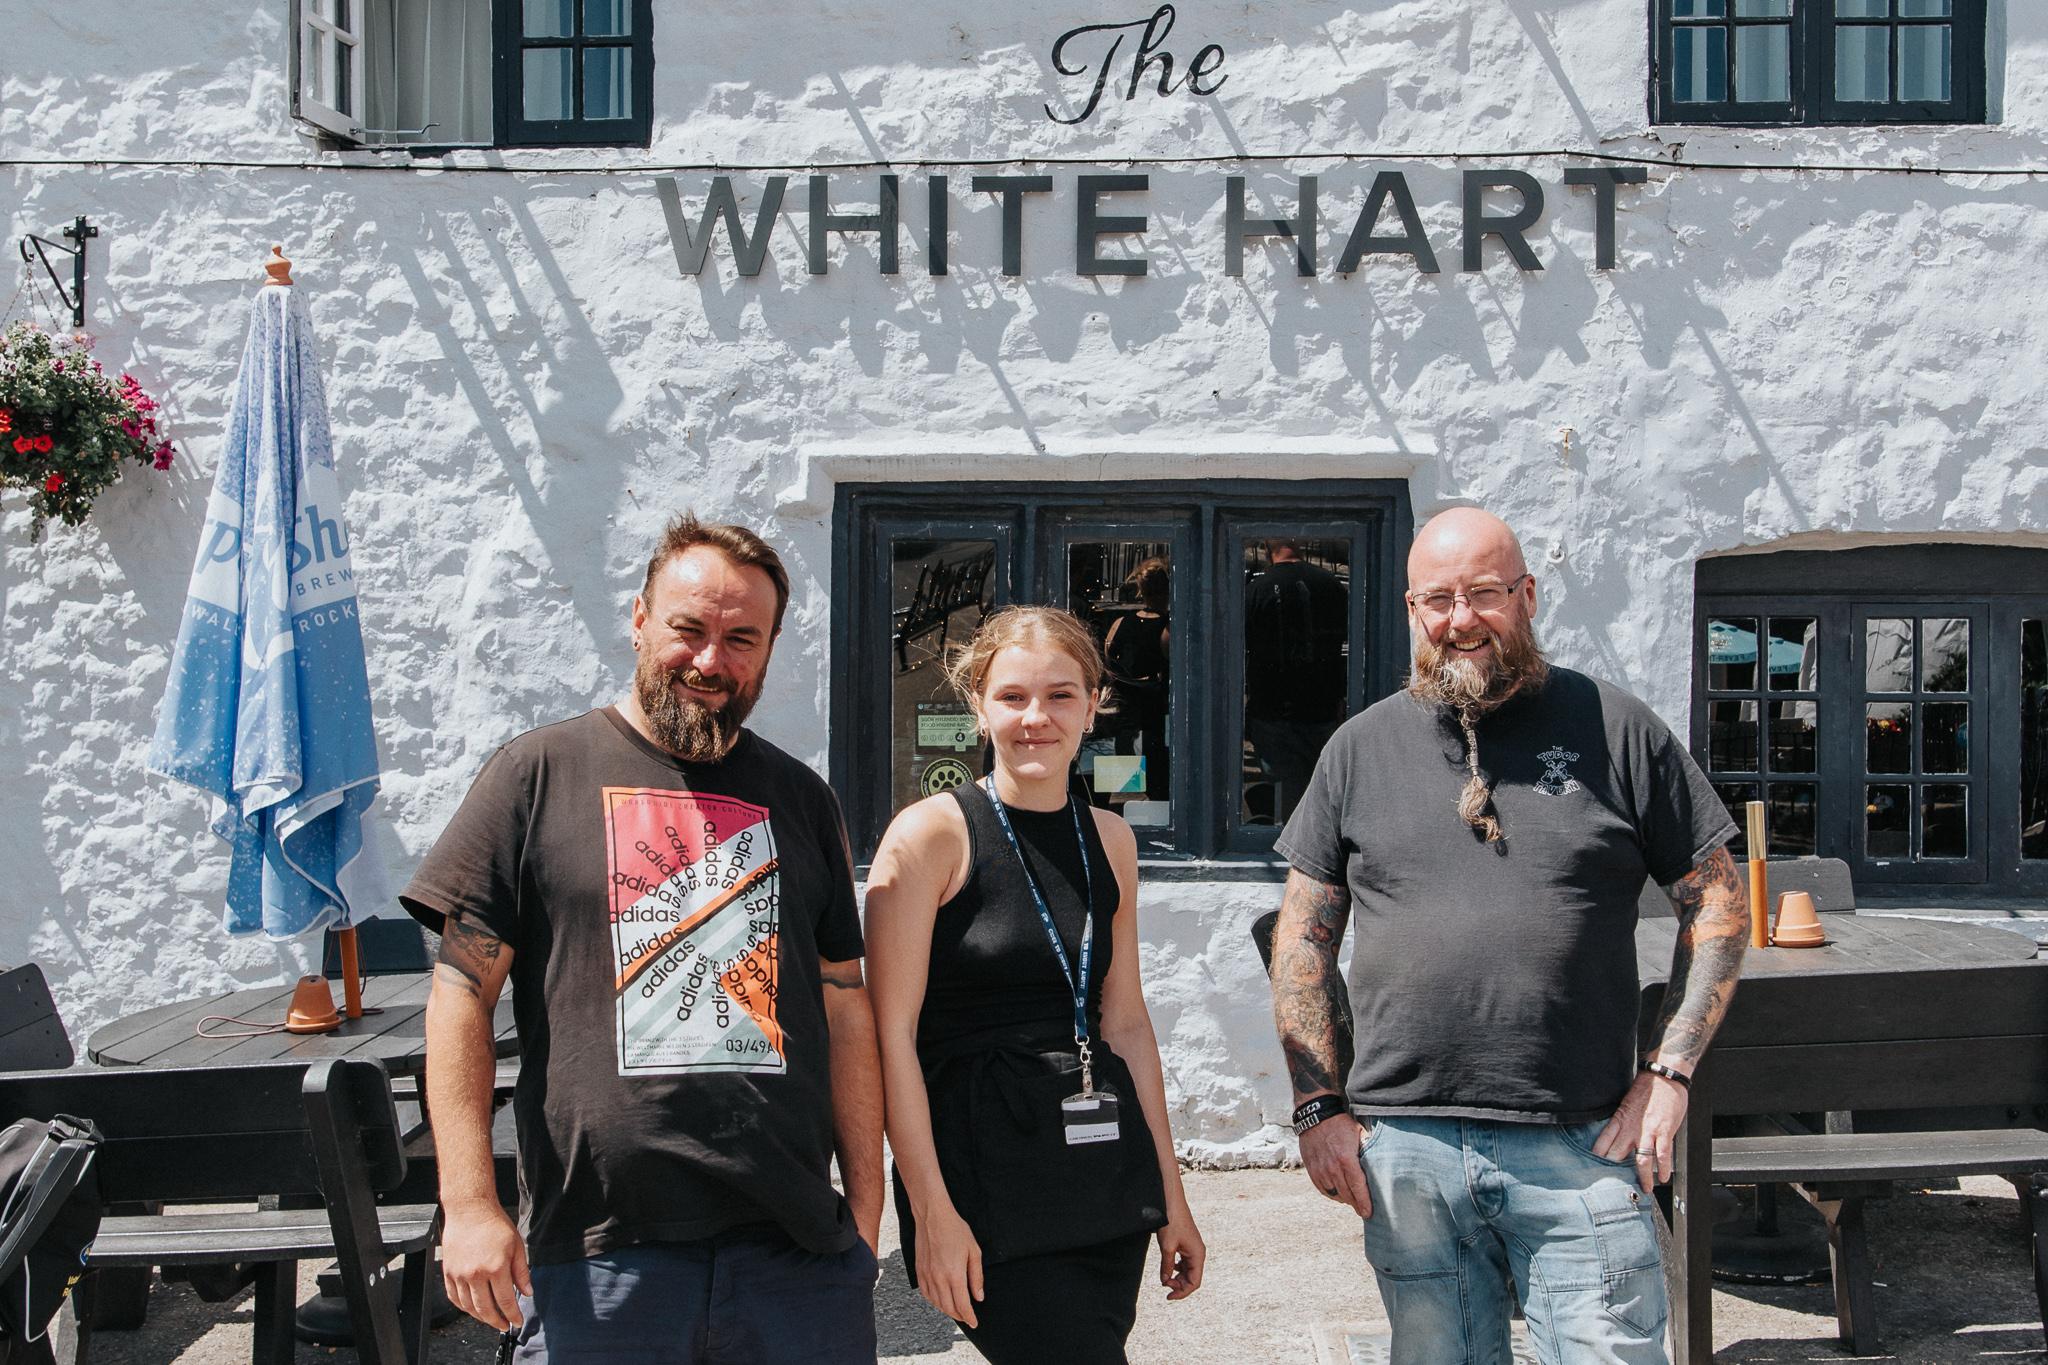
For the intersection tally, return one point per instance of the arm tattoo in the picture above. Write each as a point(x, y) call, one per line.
point(1310, 1005)
point(1713, 929)
point(466, 955)
point(842, 976)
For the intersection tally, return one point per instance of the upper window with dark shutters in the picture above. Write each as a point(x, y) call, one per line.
point(475, 73)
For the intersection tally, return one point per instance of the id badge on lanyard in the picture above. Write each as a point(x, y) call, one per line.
point(1090, 1116)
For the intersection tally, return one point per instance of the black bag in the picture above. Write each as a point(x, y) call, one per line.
point(49, 1214)
point(1007, 1164)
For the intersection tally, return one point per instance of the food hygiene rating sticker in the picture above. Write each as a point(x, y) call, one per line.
point(695, 897)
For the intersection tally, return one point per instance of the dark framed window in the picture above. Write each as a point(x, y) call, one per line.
point(1242, 622)
point(574, 72)
point(1817, 61)
point(1863, 694)
point(423, 75)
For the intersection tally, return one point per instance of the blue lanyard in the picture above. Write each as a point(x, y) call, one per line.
point(1079, 984)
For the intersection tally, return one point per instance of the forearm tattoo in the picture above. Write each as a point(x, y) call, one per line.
point(1310, 1006)
point(842, 976)
point(1713, 929)
point(467, 955)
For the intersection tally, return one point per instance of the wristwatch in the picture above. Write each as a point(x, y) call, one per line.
point(1311, 1112)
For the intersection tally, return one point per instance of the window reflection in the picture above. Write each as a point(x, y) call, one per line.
point(939, 590)
point(1863, 60)
point(1888, 737)
point(1887, 821)
point(1789, 819)
point(1945, 654)
point(2034, 739)
point(1945, 737)
point(1795, 732)
point(1944, 820)
point(1731, 654)
point(1794, 654)
point(1123, 590)
point(1297, 667)
point(1731, 736)
point(1887, 654)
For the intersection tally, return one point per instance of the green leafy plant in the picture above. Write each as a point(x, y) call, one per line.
point(67, 428)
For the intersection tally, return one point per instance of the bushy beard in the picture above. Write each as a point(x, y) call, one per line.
point(1473, 687)
point(685, 726)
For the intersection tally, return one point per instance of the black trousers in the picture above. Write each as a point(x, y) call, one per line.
point(1063, 1308)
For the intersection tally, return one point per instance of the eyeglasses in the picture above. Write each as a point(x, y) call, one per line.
point(1484, 598)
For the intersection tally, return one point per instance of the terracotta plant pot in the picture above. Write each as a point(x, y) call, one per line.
point(1798, 926)
point(312, 1008)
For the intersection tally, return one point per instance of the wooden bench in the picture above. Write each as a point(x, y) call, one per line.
point(32, 1034)
point(1838, 1172)
point(327, 1133)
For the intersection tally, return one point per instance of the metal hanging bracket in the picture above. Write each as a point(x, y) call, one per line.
point(79, 231)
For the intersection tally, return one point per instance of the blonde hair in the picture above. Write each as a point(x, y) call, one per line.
point(967, 668)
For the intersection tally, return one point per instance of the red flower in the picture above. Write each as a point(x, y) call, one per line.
point(53, 483)
point(44, 443)
point(6, 421)
point(24, 444)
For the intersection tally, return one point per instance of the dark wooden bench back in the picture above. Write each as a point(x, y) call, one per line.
point(32, 1036)
point(215, 1133)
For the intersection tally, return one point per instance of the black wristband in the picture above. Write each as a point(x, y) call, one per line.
point(1672, 1074)
point(1311, 1112)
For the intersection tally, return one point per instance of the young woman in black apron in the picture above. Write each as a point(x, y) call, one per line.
point(1026, 1108)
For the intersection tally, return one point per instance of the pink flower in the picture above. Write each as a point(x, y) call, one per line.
point(164, 453)
point(53, 483)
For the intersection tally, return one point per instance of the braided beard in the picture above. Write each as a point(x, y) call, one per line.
point(1469, 689)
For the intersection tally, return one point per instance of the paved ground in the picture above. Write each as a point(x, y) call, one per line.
point(1956, 1285)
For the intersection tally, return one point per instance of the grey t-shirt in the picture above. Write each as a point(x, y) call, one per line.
point(1499, 981)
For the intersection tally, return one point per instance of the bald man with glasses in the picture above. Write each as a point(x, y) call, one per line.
point(1485, 834)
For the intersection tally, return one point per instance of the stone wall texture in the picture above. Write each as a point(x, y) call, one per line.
point(1812, 335)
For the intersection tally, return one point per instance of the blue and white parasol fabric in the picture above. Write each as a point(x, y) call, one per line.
point(268, 705)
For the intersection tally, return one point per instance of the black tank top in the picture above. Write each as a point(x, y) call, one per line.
point(993, 973)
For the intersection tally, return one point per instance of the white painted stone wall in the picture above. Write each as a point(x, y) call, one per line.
point(522, 383)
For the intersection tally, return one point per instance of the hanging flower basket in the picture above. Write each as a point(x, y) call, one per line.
point(66, 426)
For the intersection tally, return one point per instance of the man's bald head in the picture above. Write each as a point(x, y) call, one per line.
point(1471, 613)
point(1463, 546)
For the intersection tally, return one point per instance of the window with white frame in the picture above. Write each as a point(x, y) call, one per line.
point(484, 73)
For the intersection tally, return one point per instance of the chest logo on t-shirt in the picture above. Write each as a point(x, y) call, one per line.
point(694, 902)
point(1556, 781)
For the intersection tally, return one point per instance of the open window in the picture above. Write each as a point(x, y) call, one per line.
point(477, 73)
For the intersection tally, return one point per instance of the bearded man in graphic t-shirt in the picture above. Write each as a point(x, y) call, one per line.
point(671, 897)
point(1486, 834)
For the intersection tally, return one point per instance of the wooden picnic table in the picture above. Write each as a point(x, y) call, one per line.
point(1882, 1017)
point(396, 1035)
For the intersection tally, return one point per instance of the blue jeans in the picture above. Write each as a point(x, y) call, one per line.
point(750, 1295)
point(1466, 1212)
